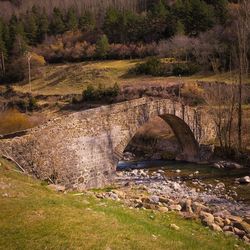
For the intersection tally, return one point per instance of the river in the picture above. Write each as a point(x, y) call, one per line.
point(201, 177)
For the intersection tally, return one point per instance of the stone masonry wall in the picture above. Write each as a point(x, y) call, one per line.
point(81, 150)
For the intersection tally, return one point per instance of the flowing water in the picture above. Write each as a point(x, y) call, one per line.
point(206, 174)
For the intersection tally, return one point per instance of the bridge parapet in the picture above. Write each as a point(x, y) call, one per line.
point(81, 150)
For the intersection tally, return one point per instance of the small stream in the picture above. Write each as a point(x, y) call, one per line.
point(194, 174)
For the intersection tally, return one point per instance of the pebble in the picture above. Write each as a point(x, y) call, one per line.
point(175, 227)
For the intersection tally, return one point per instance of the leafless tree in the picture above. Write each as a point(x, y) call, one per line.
point(221, 101)
point(2, 59)
point(178, 47)
point(242, 48)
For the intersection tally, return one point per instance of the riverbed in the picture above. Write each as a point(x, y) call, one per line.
point(203, 178)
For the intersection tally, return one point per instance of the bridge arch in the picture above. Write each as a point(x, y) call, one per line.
point(186, 139)
point(82, 149)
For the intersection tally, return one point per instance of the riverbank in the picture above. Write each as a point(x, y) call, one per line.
point(34, 217)
point(194, 196)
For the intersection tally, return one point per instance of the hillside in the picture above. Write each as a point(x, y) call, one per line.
point(7, 8)
point(34, 217)
point(73, 78)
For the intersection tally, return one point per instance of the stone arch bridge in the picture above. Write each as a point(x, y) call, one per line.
point(81, 150)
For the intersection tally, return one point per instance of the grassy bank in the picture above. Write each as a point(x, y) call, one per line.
point(73, 78)
point(34, 217)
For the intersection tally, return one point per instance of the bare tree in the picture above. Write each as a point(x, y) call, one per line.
point(2, 58)
point(221, 101)
point(29, 56)
point(243, 31)
point(178, 47)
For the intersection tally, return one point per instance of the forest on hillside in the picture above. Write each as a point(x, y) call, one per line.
point(199, 31)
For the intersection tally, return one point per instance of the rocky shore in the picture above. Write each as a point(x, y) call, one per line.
point(217, 209)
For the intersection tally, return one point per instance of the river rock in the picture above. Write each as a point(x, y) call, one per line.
point(128, 156)
point(228, 228)
point(175, 227)
point(227, 222)
point(220, 185)
point(160, 171)
point(239, 232)
point(176, 186)
point(175, 207)
point(163, 209)
point(112, 196)
point(187, 206)
point(219, 221)
point(58, 188)
point(207, 218)
point(246, 239)
point(198, 207)
point(228, 165)
point(120, 194)
point(234, 218)
point(215, 227)
point(149, 206)
point(242, 226)
point(154, 199)
point(244, 180)
point(164, 200)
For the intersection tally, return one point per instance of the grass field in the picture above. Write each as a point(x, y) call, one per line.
point(73, 78)
point(34, 217)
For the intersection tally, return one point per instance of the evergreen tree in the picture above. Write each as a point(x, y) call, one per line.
point(19, 46)
point(156, 22)
point(6, 37)
point(72, 20)
point(87, 21)
point(196, 15)
point(159, 10)
point(16, 31)
point(220, 9)
point(111, 24)
point(180, 28)
point(30, 27)
point(57, 24)
point(200, 18)
point(102, 46)
point(43, 26)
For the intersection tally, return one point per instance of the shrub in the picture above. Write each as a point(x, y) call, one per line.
point(89, 93)
point(153, 66)
point(74, 100)
point(185, 69)
point(100, 93)
point(12, 121)
point(32, 103)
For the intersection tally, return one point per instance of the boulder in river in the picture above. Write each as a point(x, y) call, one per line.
point(227, 165)
point(244, 180)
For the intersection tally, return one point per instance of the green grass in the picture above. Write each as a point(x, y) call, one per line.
point(34, 217)
point(73, 78)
